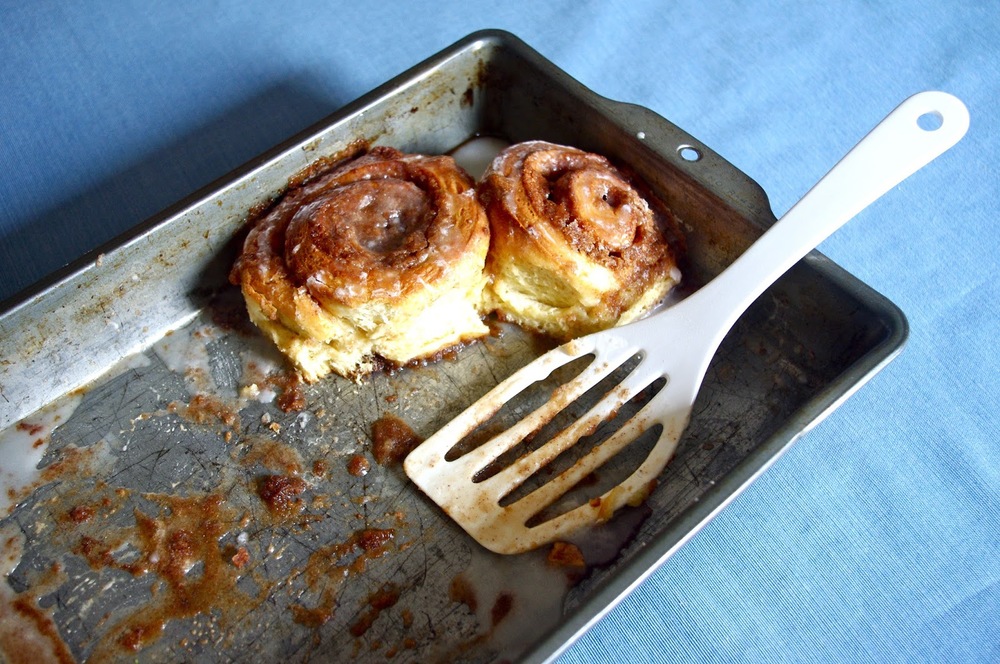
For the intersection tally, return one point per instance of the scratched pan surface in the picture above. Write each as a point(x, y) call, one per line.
point(157, 416)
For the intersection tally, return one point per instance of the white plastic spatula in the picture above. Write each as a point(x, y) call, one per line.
point(676, 344)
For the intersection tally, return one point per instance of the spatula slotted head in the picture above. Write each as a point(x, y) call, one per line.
point(563, 443)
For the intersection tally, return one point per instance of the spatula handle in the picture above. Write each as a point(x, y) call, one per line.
point(917, 131)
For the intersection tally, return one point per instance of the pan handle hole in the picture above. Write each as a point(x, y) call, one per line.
point(930, 121)
point(689, 153)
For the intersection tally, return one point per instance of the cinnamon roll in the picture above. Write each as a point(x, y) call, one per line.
point(378, 259)
point(575, 247)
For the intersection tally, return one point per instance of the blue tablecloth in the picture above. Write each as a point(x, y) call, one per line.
point(877, 537)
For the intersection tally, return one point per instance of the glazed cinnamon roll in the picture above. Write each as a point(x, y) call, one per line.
point(576, 247)
point(378, 259)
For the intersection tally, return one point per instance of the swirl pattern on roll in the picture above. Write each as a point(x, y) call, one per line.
point(577, 246)
point(378, 259)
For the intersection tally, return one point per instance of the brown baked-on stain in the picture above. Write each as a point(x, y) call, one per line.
point(392, 439)
point(382, 599)
point(241, 558)
point(358, 466)
point(312, 618)
point(72, 461)
point(96, 552)
point(280, 494)
point(461, 591)
point(501, 608)
point(170, 545)
point(320, 467)
point(272, 455)
point(373, 539)
point(287, 384)
point(565, 554)
point(292, 398)
point(81, 513)
point(468, 97)
point(29, 428)
point(206, 409)
point(329, 567)
point(49, 647)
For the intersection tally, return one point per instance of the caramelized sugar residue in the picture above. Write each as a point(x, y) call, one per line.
point(81, 513)
point(392, 439)
point(501, 608)
point(462, 591)
point(180, 547)
point(270, 454)
point(207, 409)
point(281, 494)
point(358, 466)
point(292, 398)
point(330, 566)
point(382, 599)
point(21, 648)
point(320, 467)
point(565, 554)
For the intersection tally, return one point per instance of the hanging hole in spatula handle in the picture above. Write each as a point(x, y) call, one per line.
point(930, 121)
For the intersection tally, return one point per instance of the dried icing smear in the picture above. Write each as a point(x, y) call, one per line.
point(185, 352)
point(475, 155)
point(23, 445)
point(507, 611)
point(24, 629)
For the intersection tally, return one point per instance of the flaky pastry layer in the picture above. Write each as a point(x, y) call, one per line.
point(575, 247)
point(378, 259)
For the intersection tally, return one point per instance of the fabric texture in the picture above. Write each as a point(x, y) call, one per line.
point(877, 536)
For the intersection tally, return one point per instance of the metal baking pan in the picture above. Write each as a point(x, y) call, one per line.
point(134, 383)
